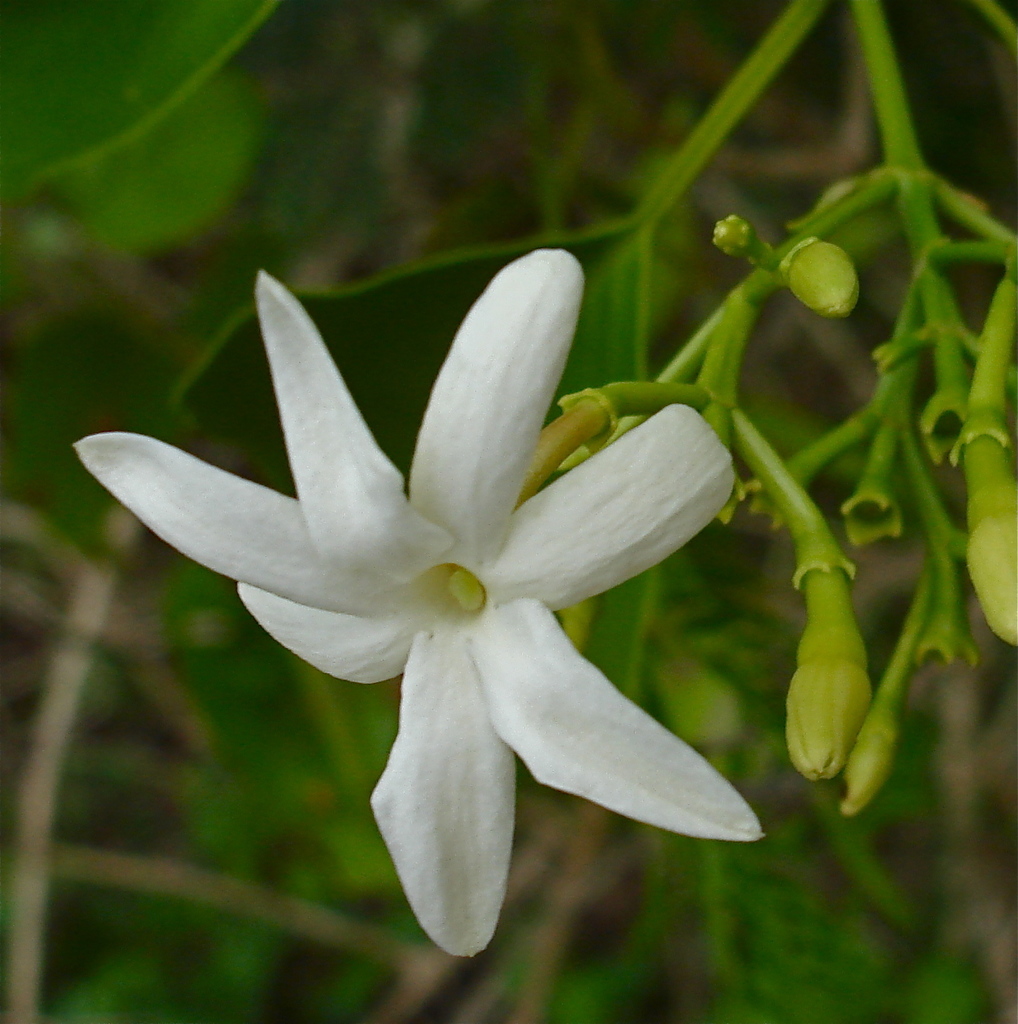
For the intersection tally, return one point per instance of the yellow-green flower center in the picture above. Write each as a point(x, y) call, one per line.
point(466, 589)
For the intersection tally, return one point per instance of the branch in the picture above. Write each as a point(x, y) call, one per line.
point(62, 687)
point(167, 877)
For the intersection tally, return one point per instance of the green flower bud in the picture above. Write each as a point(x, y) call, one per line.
point(992, 552)
point(869, 764)
point(992, 557)
point(822, 277)
point(830, 691)
point(827, 702)
point(733, 235)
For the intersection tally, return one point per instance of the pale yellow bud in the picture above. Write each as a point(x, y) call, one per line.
point(993, 565)
point(869, 764)
point(822, 276)
point(827, 702)
point(733, 236)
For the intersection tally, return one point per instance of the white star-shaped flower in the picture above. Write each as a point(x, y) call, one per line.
point(455, 587)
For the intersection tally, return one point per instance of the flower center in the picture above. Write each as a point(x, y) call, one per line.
point(465, 588)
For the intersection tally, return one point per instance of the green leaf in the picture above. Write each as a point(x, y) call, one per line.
point(611, 337)
point(79, 77)
point(388, 335)
point(81, 374)
point(617, 640)
point(165, 186)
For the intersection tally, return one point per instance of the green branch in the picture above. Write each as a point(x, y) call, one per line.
point(738, 96)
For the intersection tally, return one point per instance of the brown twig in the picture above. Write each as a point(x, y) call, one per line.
point(980, 920)
point(565, 900)
point(167, 877)
point(62, 687)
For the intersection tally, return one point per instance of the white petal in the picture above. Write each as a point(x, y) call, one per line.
point(234, 526)
point(576, 732)
point(490, 399)
point(445, 801)
point(350, 493)
point(363, 649)
point(613, 516)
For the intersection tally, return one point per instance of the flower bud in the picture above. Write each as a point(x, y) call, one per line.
point(733, 235)
point(992, 557)
point(869, 764)
point(830, 691)
point(822, 277)
point(827, 702)
point(992, 551)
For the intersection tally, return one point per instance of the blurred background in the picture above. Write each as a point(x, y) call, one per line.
point(214, 859)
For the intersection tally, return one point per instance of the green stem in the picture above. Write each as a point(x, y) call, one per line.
point(945, 631)
point(889, 699)
point(872, 758)
point(996, 349)
point(873, 511)
point(945, 412)
point(719, 375)
point(808, 461)
point(738, 96)
point(989, 251)
point(901, 146)
point(644, 398)
point(686, 362)
point(815, 546)
point(969, 213)
point(582, 422)
point(1000, 21)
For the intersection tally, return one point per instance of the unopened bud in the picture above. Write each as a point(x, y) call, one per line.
point(827, 702)
point(869, 764)
point(992, 552)
point(992, 557)
point(822, 277)
point(734, 236)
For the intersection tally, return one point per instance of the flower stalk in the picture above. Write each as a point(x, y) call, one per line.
point(873, 511)
point(830, 690)
point(945, 631)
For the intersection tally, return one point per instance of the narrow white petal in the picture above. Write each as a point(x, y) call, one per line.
point(234, 526)
point(616, 514)
point(350, 493)
point(362, 649)
point(445, 801)
point(490, 399)
point(576, 732)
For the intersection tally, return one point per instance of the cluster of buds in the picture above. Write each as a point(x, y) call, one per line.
point(820, 274)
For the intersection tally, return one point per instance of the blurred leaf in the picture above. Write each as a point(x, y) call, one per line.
point(789, 955)
point(472, 82)
point(611, 337)
point(161, 188)
point(621, 623)
point(944, 990)
point(287, 801)
point(388, 335)
point(153, 958)
point(83, 76)
point(84, 373)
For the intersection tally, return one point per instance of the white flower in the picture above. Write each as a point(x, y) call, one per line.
point(454, 588)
